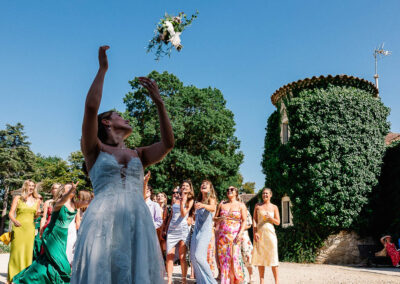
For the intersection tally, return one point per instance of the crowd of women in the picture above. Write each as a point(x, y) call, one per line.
point(43, 236)
point(120, 235)
point(212, 238)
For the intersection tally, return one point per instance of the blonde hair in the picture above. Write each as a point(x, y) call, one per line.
point(211, 194)
point(85, 195)
point(55, 184)
point(24, 193)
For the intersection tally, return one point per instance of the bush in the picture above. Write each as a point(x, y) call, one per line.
point(4, 248)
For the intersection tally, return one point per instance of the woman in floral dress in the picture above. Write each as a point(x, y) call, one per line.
point(231, 216)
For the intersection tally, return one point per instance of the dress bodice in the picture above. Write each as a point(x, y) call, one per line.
point(262, 219)
point(109, 177)
point(203, 219)
point(233, 215)
point(177, 220)
point(25, 213)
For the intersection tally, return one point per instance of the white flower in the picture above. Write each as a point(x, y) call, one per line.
point(174, 36)
point(170, 28)
point(176, 40)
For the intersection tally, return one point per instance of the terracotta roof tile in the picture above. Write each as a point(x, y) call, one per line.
point(392, 137)
point(323, 81)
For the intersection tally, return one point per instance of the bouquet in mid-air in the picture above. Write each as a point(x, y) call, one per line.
point(168, 32)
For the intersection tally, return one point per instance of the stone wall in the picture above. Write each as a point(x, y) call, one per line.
point(341, 248)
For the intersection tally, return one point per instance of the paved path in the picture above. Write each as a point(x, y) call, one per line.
point(297, 273)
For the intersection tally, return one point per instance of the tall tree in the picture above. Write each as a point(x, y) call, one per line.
point(204, 128)
point(16, 163)
point(52, 169)
point(248, 187)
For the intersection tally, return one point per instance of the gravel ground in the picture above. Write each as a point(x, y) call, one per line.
point(297, 273)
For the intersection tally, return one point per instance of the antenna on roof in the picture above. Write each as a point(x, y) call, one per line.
point(378, 54)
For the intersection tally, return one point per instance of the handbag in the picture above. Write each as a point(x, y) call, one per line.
point(6, 238)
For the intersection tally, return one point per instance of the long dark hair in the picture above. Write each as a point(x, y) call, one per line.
point(101, 128)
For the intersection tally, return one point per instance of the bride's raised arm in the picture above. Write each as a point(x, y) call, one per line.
point(156, 152)
point(90, 142)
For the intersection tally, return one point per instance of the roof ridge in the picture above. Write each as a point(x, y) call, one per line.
point(311, 82)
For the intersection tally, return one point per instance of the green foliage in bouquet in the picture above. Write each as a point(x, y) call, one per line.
point(331, 162)
point(166, 35)
point(204, 128)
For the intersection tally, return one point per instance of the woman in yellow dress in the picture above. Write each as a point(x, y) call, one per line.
point(23, 231)
point(265, 251)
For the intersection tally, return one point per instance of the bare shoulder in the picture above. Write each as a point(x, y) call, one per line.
point(16, 198)
point(258, 205)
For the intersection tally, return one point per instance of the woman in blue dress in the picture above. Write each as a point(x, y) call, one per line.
point(205, 208)
point(117, 241)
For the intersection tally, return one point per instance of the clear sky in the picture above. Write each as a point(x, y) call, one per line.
point(247, 49)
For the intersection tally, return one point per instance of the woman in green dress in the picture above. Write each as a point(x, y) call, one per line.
point(22, 215)
point(53, 265)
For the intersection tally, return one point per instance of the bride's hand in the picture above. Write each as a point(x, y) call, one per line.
point(103, 61)
point(152, 87)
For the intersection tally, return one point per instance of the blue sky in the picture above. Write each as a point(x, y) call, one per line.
point(247, 49)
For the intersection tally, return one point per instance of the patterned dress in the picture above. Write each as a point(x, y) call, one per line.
point(211, 255)
point(228, 252)
point(393, 253)
point(247, 248)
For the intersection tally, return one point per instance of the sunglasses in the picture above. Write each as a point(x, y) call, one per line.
point(230, 189)
point(176, 192)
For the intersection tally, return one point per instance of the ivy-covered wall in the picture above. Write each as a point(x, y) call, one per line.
point(382, 214)
point(330, 164)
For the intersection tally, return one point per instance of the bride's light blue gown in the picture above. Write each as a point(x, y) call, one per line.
point(117, 241)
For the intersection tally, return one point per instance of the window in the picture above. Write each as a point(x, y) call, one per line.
point(285, 133)
point(286, 212)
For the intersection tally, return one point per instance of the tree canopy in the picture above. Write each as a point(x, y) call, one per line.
point(17, 163)
point(204, 128)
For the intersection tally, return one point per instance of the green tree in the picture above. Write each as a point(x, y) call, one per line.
point(16, 164)
point(52, 169)
point(248, 187)
point(205, 144)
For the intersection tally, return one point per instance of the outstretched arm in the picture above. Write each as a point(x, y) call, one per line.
point(90, 142)
point(145, 183)
point(156, 152)
point(67, 195)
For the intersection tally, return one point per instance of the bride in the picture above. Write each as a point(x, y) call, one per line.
point(117, 242)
